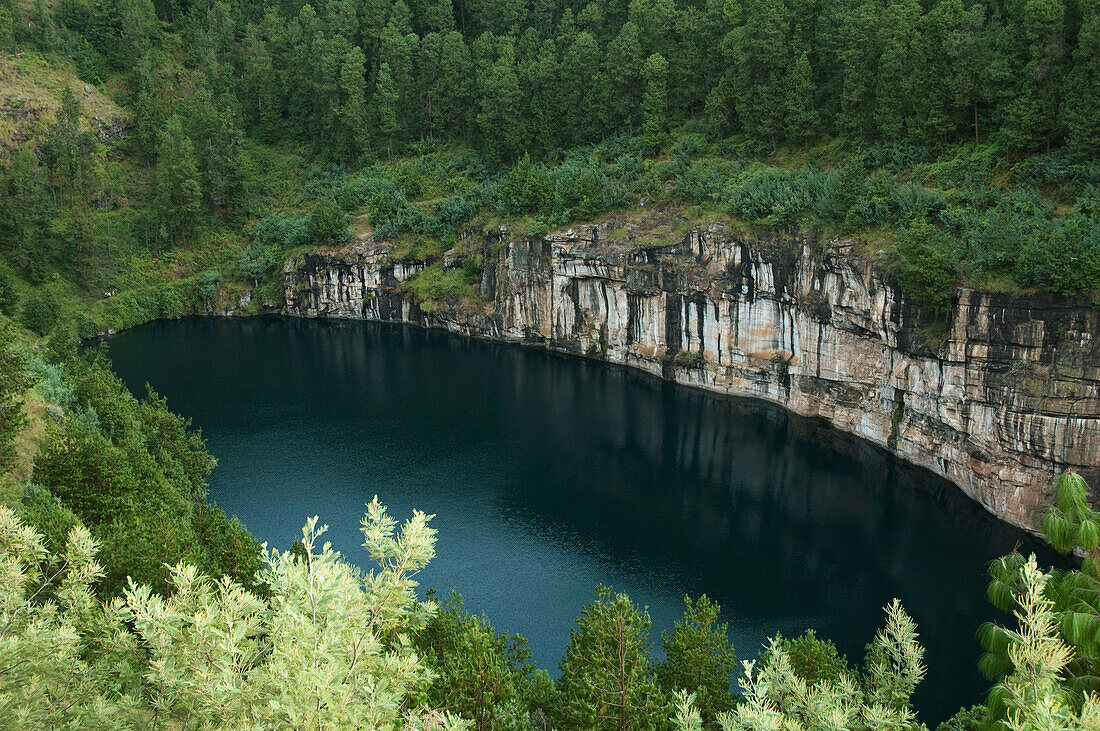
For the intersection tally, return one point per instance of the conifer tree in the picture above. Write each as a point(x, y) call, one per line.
point(350, 135)
point(455, 84)
point(179, 194)
point(606, 681)
point(499, 118)
point(699, 659)
point(623, 71)
point(260, 83)
point(761, 55)
point(800, 119)
point(1081, 89)
point(848, 43)
point(655, 100)
point(897, 68)
point(1031, 115)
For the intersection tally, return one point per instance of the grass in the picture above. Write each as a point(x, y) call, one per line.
point(432, 286)
point(30, 95)
point(27, 440)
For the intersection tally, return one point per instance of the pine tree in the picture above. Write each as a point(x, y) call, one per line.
point(580, 90)
point(761, 55)
point(499, 117)
point(848, 44)
point(386, 100)
point(1030, 122)
point(350, 135)
point(623, 72)
point(542, 77)
point(897, 68)
point(439, 17)
point(1081, 89)
point(962, 46)
point(605, 676)
point(215, 130)
point(455, 106)
point(179, 194)
point(655, 100)
point(260, 83)
point(800, 119)
point(699, 659)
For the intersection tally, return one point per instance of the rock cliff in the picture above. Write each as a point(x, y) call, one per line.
point(1009, 398)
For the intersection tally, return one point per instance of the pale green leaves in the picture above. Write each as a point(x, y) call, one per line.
point(329, 648)
point(776, 698)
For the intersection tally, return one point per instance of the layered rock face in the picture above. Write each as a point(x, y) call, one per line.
point(1010, 397)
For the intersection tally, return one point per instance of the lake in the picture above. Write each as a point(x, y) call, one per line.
point(551, 474)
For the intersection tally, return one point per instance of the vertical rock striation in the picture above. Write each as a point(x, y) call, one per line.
point(1010, 397)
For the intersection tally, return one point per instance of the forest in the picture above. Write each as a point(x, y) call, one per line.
point(169, 152)
point(173, 154)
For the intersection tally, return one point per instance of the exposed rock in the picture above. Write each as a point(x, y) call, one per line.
point(1009, 399)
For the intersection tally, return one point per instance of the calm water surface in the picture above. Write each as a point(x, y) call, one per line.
point(551, 474)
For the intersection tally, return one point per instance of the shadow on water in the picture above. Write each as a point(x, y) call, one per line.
point(550, 474)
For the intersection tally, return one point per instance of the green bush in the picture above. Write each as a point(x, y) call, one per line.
point(1067, 262)
point(432, 284)
point(9, 296)
point(775, 195)
point(328, 223)
point(41, 311)
point(927, 266)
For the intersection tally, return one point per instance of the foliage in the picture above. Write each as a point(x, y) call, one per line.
point(480, 674)
point(9, 295)
point(699, 659)
point(13, 380)
point(134, 474)
point(328, 648)
point(41, 311)
point(606, 681)
point(1073, 596)
point(777, 697)
point(813, 660)
point(926, 266)
point(1033, 696)
point(328, 223)
point(433, 284)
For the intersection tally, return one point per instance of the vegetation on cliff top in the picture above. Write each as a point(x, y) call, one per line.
point(145, 144)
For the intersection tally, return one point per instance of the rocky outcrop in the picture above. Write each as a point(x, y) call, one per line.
point(1007, 398)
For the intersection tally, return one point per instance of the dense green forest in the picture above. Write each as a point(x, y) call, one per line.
point(173, 154)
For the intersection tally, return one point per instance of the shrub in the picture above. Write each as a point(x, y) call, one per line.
point(431, 284)
point(775, 195)
point(926, 266)
point(9, 297)
point(1067, 262)
point(86, 326)
point(41, 311)
point(209, 281)
point(328, 223)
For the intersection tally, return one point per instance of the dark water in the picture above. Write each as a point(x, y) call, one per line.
point(551, 474)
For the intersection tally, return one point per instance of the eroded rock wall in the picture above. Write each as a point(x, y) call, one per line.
point(1010, 397)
